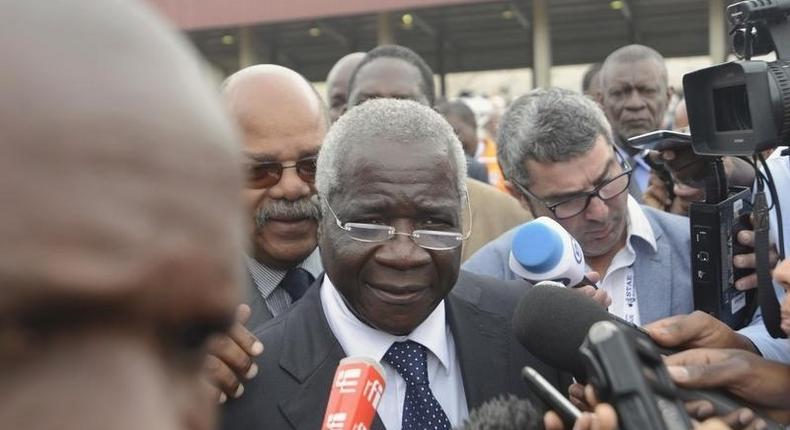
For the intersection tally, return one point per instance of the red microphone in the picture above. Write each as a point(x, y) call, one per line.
point(355, 394)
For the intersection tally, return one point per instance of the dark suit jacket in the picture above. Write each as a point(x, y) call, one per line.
point(301, 354)
point(476, 170)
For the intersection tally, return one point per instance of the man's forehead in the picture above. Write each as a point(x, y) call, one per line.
point(268, 129)
point(388, 160)
point(558, 178)
point(381, 193)
point(644, 69)
point(390, 67)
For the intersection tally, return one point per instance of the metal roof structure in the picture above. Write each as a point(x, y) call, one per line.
point(465, 36)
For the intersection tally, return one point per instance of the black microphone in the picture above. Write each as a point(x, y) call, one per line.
point(551, 322)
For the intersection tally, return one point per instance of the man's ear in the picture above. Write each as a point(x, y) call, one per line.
point(597, 96)
point(670, 91)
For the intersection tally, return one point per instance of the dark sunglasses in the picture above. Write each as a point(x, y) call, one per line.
point(268, 174)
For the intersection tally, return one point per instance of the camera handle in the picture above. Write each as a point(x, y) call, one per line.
point(715, 182)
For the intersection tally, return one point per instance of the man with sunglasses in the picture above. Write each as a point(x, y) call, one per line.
point(283, 122)
point(391, 179)
point(557, 152)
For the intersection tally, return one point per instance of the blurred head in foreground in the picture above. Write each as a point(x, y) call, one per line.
point(121, 227)
point(504, 413)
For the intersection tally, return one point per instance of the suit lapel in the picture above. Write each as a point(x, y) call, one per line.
point(310, 355)
point(481, 346)
point(652, 277)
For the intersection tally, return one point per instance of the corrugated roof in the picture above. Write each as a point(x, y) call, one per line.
point(478, 36)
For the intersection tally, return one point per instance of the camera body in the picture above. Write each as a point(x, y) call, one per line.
point(743, 107)
point(714, 228)
point(740, 108)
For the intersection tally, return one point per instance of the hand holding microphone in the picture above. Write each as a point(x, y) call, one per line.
point(552, 323)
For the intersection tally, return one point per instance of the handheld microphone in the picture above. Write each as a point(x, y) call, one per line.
point(356, 390)
point(552, 323)
point(543, 250)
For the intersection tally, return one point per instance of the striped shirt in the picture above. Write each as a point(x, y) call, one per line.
point(267, 280)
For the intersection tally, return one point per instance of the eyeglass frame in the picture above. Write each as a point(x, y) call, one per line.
point(282, 167)
point(588, 195)
point(460, 237)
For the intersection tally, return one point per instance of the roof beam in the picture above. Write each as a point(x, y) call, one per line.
point(630, 21)
point(333, 33)
point(423, 25)
point(519, 15)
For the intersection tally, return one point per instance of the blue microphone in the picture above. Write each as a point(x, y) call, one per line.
point(542, 250)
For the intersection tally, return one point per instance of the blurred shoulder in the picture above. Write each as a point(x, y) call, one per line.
point(665, 221)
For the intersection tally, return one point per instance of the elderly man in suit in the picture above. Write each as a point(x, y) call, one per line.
point(557, 152)
point(391, 183)
point(398, 72)
point(283, 121)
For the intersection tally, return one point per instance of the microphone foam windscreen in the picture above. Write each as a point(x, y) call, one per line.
point(552, 322)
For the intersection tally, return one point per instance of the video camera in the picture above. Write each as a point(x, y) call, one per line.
point(743, 107)
point(740, 108)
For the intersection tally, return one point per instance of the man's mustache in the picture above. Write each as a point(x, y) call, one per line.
point(300, 209)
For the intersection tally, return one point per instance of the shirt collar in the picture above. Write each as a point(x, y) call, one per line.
point(638, 225)
point(637, 160)
point(267, 278)
point(359, 339)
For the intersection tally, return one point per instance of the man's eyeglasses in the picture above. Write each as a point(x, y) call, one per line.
point(575, 205)
point(428, 239)
point(267, 174)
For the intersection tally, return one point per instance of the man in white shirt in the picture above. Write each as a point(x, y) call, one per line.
point(391, 177)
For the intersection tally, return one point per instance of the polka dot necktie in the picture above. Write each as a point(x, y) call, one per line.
point(421, 410)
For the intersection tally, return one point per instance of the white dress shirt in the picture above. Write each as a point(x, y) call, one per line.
point(361, 340)
point(618, 281)
point(770, 348)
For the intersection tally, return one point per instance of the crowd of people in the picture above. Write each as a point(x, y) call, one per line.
point(217, 251)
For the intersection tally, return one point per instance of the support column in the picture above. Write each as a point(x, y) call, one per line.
point(541, 45)
point(440, 66)
point(718, 46)
point(384, 34)
point(248, 48)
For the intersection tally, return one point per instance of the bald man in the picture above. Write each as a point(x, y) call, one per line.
point(121, 230)
point(283, 122)
point(634, 93)
point(337, 83)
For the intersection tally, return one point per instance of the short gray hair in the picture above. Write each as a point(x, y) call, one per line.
point(631, 54)
point(547, 126)
point(403, 121)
